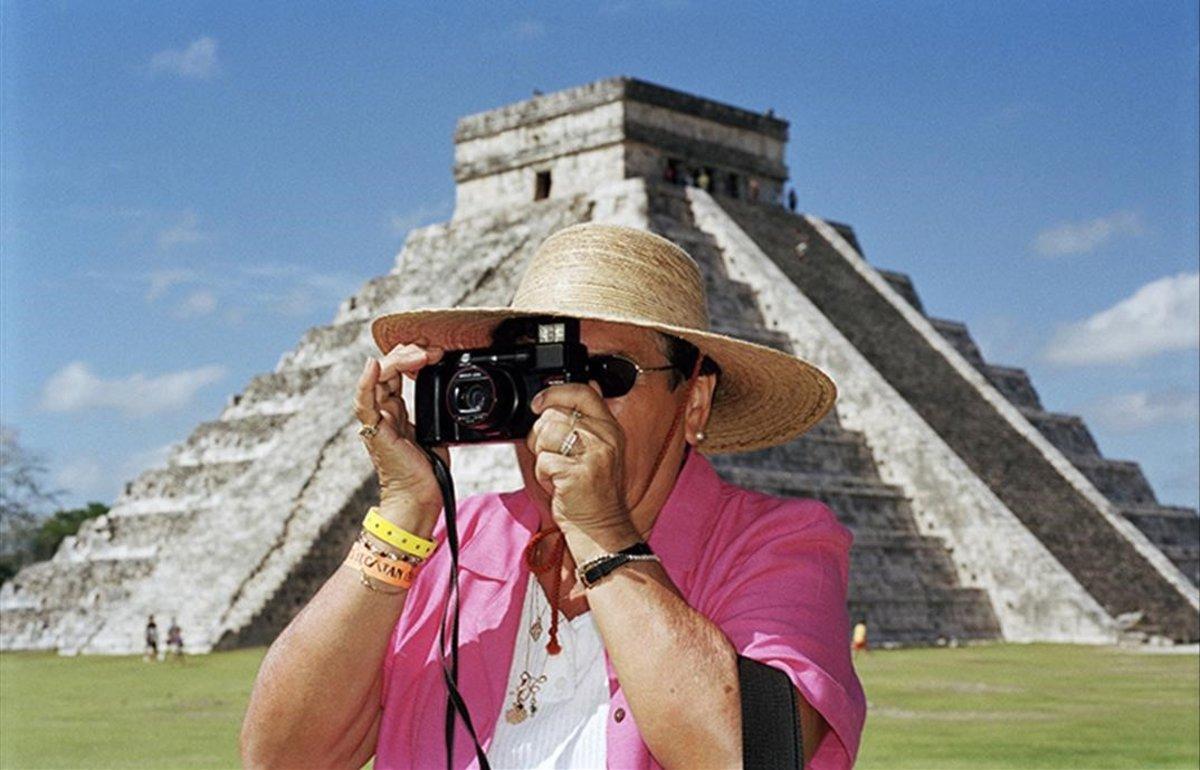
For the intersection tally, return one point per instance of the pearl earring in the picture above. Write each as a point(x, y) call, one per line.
point(700, 436)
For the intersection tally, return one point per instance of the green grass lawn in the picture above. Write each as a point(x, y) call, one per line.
point(994, 706)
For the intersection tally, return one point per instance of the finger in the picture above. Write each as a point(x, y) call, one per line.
point(551, 440)
point(365, 406)
point(408, 359)
point(548, 430)
point(572, 395)
point(604, 429)
point(397, 416)
point(551, 469)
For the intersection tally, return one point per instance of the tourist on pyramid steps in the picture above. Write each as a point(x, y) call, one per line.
point(151, 640)
point(704, 181)
point(792, 199)
point(175, 640)
point(860, 637)
point(606, 608)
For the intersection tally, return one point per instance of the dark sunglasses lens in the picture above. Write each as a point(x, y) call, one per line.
point(615, 376)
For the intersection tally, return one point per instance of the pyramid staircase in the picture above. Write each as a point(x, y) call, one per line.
point(902, 581)
point(1053, 506)
point(1174, 529)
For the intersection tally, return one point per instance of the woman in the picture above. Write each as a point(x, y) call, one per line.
point(646, 653)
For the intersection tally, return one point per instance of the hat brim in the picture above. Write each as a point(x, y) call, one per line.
point(764, 397)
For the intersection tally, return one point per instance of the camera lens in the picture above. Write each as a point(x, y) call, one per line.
point(480, 398)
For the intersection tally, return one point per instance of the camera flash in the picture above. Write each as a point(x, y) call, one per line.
point(552, 333)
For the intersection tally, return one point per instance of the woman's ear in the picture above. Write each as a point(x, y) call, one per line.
point(699, 406)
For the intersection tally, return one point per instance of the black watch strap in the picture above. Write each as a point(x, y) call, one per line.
point(597, 569)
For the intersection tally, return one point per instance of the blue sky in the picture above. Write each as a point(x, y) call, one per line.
point(186, 188)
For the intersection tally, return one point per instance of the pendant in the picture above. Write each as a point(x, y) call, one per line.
point(515, 715)
point(535, 630)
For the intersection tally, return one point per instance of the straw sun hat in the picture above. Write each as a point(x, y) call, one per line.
point(630, 276)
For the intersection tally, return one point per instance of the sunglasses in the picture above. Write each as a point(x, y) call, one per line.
point(616, 375)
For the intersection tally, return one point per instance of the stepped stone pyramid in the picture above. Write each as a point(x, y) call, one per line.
point(976, 513)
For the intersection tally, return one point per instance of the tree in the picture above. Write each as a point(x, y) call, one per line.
point(63, 523)
point(24, 499)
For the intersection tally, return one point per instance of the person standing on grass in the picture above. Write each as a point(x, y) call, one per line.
point(175, 640)
point(151, 639)
point(860, 637)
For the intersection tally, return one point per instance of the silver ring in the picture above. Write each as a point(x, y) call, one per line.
point(568, 443)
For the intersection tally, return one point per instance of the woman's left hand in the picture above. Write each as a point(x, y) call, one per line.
point(586, 486)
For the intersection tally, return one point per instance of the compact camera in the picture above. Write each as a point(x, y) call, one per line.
point(483, 395)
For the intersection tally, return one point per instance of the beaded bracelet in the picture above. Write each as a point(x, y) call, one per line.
point(396, 573)
point(365, 539)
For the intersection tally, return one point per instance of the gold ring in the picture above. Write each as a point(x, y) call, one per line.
point(369, 431)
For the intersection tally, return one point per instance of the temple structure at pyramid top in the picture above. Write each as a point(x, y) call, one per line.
point(977, 512)
point(570, 142)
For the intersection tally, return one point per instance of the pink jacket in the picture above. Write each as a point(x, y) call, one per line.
point(771, 572)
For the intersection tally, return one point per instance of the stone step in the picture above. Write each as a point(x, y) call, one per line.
point(962, 614)
point(230, 441)
point(279, 392)
point(1065, 431)
point(145, 530)
point(857, 501)
point(1014, 384)
point(899, 575)
point(903, 284)
point(842, 454)
point(1162, 510)
point(1174, 529)
point(956, 334)
point(788, 483)
point(72, 582)
point(323, 346)
point(1121, 481)
point(177, 487)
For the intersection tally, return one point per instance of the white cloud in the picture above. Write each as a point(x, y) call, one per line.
point(198, 303)
point(1082, 237)
point(161, 282)
point(1129, 412)
point(197, 61)
point(1163, 315)
point(401, 223)
point(185, 231)
point(75, 388)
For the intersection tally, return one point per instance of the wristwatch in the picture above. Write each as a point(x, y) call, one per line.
point(594, 570)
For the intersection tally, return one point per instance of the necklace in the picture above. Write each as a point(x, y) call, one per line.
point(524, 703)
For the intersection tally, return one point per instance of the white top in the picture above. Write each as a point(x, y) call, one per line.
point(569, 728)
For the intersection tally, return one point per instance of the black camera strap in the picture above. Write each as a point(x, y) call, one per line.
point(454, 699)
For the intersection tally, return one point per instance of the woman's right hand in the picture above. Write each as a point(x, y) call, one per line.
point(407, 485)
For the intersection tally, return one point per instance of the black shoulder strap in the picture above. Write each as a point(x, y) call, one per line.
point(770, 731)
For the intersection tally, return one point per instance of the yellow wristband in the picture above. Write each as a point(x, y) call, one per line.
point(395, 536)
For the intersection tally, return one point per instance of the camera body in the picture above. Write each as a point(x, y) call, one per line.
point(483, 395)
